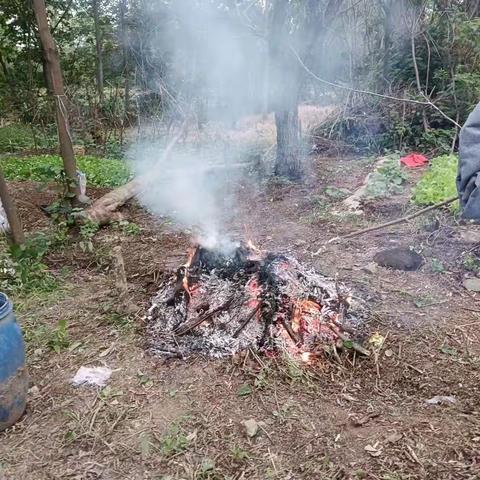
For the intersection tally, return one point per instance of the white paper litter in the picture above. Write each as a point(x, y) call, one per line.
point(96, 376)
point(439, 399)
point(4, 226)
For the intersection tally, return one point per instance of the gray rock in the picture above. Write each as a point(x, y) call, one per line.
point(251, 427)
point(472, 284)
point(399, 259)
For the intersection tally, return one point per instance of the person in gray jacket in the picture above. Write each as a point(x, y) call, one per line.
point(468, 178)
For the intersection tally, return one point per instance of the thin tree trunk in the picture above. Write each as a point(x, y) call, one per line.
point(99, 48)
point(287, 162)
point(55, 83)
point(124, 40)
point(13, 218)
point(285, 90)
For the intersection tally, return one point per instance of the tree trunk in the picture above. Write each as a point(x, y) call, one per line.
point(285, 91)
point(13, 218)
point(287, 163)
point(124, 41)
point(55, 84)
point(99, 48)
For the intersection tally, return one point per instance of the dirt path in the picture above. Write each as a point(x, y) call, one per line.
point(183, 420)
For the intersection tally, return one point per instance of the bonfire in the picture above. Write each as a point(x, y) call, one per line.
point(222, 302)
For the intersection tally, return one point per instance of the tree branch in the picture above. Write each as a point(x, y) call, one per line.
point(428, 102)
point(395, 222)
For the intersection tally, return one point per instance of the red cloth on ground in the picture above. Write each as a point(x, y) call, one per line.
point(414, 160)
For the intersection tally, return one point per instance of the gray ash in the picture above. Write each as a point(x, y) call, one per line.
point(217, 305)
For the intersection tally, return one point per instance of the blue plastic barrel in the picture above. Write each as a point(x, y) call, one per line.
point(13, 375)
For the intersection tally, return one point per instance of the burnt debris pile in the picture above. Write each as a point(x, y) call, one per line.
point(218, 304)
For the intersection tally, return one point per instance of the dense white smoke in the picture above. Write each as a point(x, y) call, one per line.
point(213, 56)
point(191, 189)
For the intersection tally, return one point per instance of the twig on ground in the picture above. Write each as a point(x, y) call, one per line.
point(247, 320)
point(184, 329)
point(394, 222)
point(355, 346)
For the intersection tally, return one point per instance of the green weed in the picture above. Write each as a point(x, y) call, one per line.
point(43, 336)
point(22, 269)
point(127, 228)
point(471, 263)
point(175, 441)
point(386, 180)
point(239, 454)
point(87, 232)
point(438, 183)
point(58, 340)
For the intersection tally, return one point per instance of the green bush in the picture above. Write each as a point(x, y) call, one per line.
point(438, 184)
point(101, 172)
point(22, 268)
point(387, 179)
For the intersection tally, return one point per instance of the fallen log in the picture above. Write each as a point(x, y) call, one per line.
point(104, 210)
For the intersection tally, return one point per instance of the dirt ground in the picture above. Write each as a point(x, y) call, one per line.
point(357, 419)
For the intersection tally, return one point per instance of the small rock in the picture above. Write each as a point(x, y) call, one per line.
point(394, 437)
point(251, 427)
point(34, 391)
point(399, 259)
point(470, 236)
point(373, 450)
point(370, 268)
point(472, 284)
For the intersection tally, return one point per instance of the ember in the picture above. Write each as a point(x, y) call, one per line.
point(218, 304)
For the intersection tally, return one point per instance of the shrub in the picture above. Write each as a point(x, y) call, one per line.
point(386, 180)
point(438, 184)
point(22, 269)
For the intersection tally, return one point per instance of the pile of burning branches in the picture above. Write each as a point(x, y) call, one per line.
point(218, 304)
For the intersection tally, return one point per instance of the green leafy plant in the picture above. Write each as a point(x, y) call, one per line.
point(438, 183)
point(58, 340)
point(87, 232)
point(100, 172)
point(22, 269)
point(471, 263)
point(175, 441)
point(386, 180)
point(127, 228)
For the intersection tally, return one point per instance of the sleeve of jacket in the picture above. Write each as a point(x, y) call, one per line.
point(468, 178)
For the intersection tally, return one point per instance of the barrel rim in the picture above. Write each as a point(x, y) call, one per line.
point(5, 305)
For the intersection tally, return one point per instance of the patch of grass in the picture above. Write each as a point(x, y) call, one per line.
point(438, 184)
point(471, 263)
point(100, 172)
point(122, 322)
point(43, 336)
point(16, 137)
point(337, 193)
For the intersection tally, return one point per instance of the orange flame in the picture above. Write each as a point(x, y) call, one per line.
point(300, 310)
